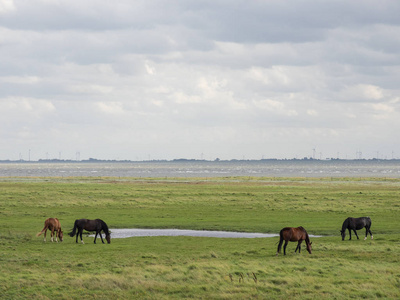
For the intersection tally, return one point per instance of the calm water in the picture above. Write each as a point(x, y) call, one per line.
point(342, 168)
point(135, 232)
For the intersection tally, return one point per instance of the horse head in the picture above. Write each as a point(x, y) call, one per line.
point(309, 247)
point(343, 233)
point(108, 238)
point(60, 235)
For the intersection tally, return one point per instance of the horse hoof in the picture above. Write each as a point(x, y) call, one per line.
point(365, 238)
point(372, 237)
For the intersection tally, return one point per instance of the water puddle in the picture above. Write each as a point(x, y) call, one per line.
point(135, 232)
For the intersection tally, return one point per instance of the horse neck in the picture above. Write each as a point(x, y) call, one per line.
point(307, 239)
point(345, 224)
point(104, 227)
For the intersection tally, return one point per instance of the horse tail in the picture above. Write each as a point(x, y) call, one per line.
point(280, 242)
point(46, 225)
point(72, 233)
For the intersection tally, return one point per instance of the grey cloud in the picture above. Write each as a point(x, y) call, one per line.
point(179, 76)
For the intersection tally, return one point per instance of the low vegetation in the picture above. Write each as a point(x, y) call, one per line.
point(193, 267)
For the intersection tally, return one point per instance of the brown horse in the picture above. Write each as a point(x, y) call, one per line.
point(54, 225)
point(292, 234)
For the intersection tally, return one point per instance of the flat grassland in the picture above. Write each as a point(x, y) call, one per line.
point(195, 267)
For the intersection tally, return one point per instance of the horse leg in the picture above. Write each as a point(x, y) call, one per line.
point(279, 246)
point(298, 246)
point(101, 237)
point(81, 231)
point(355, 231)
point(367, 229)
point(45, 232)
point(350, 234)
point(284, 247)
point(52, 235)
point(95, 238)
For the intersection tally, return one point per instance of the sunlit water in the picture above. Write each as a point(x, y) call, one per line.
point(290, 168)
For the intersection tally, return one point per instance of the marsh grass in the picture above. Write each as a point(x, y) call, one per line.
point(190, 267)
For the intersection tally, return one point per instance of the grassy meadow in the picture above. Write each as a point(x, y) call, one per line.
point(195, 267)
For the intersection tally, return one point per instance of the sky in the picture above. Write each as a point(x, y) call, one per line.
point(227, 79)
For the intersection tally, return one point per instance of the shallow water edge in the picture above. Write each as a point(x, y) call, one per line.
point(137, 232)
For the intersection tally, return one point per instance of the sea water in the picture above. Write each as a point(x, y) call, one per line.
point(267, 168)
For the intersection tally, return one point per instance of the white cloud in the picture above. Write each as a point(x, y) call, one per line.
point(91, 89)
point(382, 107)
point(111, 107)
point(14, 106)
point(6, 6)
point(20, 79)
point(312, 112)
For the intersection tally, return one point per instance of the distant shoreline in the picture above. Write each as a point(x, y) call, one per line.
point(182, 160)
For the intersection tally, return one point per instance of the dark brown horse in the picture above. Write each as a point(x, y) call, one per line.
point(91, 225)
point(54, 225)
point(356, 224)
point(293, 234)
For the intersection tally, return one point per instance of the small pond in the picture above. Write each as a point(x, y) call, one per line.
point(135, 232)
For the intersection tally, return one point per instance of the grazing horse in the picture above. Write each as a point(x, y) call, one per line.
point(54, 225)
point(91, 225)
point(293, 234)
point(356, 224)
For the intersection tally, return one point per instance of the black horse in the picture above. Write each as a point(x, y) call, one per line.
point(356, 224)
point(91, 225)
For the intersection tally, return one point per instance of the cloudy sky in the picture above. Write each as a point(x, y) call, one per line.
point(209, 79)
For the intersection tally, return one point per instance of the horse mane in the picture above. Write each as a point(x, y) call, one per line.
point(105, 227)
point(307, 239)
point(345, 224)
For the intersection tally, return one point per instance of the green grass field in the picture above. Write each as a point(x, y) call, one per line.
point(194, 267)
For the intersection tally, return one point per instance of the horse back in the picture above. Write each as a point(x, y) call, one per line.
point(53, 223)
point(301, 233)
point(293, 234)
point(357, 223)
point(363, 222)
point(91, 225)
